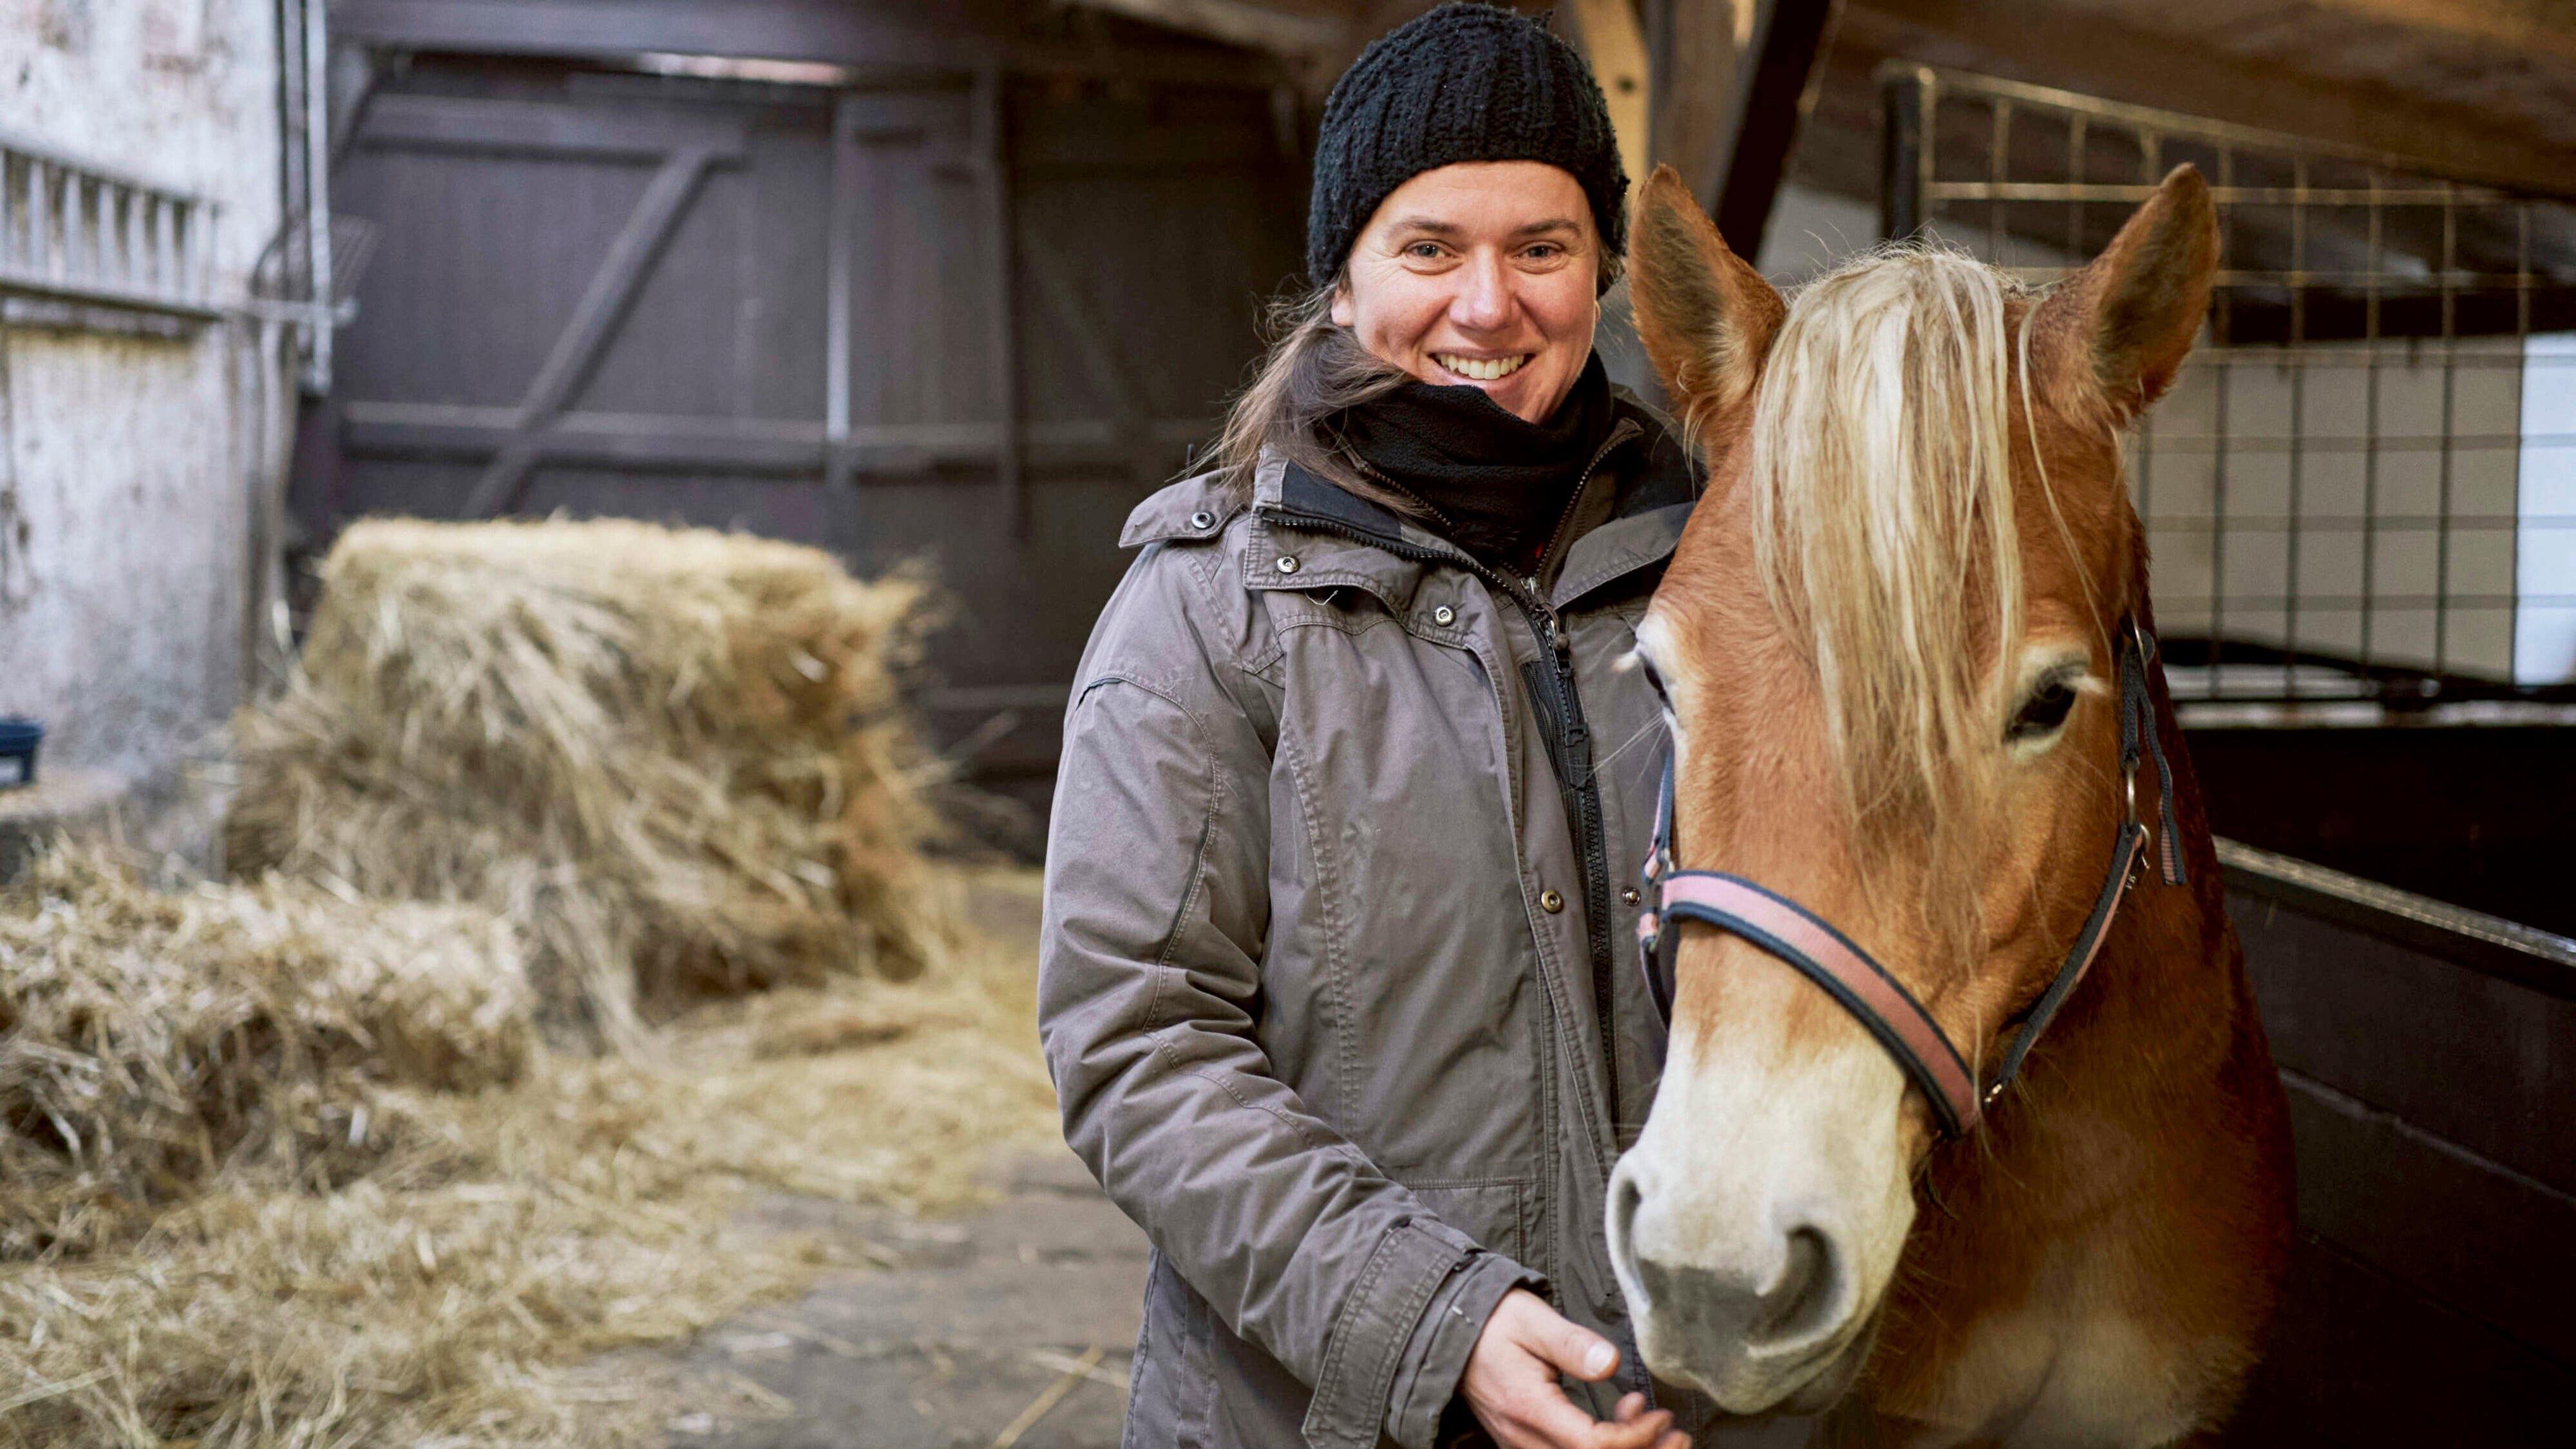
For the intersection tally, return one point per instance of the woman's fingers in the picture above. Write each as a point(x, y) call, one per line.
point(1563, 1342)
point(1511, 1383)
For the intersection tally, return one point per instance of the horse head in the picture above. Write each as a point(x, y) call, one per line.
point(1890, 649)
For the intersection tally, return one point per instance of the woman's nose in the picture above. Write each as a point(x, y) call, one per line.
point(1484, 299)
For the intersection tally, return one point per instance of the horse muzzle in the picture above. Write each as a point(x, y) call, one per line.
point(1759, 1319)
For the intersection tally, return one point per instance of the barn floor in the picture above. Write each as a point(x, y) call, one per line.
point(970, 1327)
point(962, 1328)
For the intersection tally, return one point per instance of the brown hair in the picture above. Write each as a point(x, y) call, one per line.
point(1314, 369)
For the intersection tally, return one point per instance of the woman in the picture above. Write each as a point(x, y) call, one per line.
point(1338, 981)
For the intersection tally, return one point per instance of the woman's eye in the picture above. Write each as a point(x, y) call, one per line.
point(1425, 251)
point(2043, 712)
point(1545, 252)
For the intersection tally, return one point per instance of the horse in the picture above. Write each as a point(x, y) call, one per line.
point(1926, 797)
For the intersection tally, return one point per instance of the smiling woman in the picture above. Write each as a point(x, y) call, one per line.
point(1339, 988)
point(1482, 274)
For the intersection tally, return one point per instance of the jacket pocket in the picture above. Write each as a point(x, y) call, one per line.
point(1493, 1213)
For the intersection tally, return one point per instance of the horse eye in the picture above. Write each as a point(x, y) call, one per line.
point(1655, 682)
point(2043, 712)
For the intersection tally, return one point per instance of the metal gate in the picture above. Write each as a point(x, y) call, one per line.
point(2364, 488)
point(961, 316)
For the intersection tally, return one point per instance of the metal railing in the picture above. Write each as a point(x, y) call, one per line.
point(2364, 487)
point(76, 236)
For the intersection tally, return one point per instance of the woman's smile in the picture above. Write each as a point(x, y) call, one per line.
point(1468, 367)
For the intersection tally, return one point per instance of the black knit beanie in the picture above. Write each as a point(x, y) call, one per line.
point(1465, 82)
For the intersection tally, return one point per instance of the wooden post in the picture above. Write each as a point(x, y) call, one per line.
point(993, 191)
point(1615, 44)
point(840, 243)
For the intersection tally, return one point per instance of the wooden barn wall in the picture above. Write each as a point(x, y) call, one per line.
point(2430, 1060)
point(1146, 223)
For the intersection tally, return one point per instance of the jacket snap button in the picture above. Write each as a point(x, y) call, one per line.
point(1628, 894)
point(1444, 615)
point(1202, 519)
point(1550, 902)
point(1288, 563)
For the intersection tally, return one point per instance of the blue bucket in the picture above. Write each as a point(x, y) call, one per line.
point(18, 740)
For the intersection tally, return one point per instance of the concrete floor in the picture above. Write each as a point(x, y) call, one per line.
point(970, 1324)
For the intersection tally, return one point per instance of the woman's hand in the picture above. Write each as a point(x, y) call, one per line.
point(1511, 1384)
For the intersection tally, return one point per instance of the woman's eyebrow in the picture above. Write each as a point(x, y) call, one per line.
point(1433, 226)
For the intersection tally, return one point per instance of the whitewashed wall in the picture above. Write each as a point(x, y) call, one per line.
point(124, 461)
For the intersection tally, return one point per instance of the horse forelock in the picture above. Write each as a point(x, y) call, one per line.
point(1880, 482)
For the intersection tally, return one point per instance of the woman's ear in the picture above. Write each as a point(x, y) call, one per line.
point(1706, 317)
point(1343, 311)
point(2112, 337)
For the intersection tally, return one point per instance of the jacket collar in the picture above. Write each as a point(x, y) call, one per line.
point(1368, 546)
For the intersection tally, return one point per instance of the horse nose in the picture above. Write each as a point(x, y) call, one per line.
point(1723, 1300)
point(1776, 1304)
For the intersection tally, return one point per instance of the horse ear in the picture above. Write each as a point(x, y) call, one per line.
point(2117, 332)
point(1706, 317)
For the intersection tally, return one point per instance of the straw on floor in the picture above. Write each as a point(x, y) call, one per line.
point(495, 1240)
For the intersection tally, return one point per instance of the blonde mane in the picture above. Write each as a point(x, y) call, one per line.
point(1882, 492)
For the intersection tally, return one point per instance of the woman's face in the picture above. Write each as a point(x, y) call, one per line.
point(1481, 274)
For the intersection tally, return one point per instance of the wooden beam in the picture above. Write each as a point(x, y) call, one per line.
point(831, 32)
point(750, 447)
point(840, 288)
point(550, 128)
point(1787, 66)
point(1615, 44)
point(1280, 30)
point(2545, 27)
point(603, 305)
point(1696, 46)
point(2084, 50)
point(1001, 299)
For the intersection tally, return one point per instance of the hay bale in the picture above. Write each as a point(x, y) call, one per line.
point(154, 1041)
point(676, 756)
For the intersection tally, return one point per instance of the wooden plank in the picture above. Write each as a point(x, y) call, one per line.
point(826, 31)
point(1788, 65)
point(612, 288)
point(2489, 1243)
point(840, 258)
point(1093, 337)
point(483, 125)
point(1697, 46)
point(782, 29)
point(1284, 32)
point(1615, 45)
point(2359, 1358)
point(1001, 294)
point(2537, 959)
point(753, 447)
point(2481, 1061)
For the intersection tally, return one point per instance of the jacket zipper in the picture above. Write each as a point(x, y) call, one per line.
point(1573, 735)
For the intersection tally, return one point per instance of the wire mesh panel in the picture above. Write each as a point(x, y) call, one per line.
point(2364, 487)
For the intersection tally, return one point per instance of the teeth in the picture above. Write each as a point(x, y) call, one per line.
point(1483, 369)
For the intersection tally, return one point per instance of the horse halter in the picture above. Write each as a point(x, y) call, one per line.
point(1866, 989)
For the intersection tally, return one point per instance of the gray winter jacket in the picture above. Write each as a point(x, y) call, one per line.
point(1340, 887)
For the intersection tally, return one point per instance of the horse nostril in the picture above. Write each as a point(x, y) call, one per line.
point(1806, 1301)
point(1625, 1198)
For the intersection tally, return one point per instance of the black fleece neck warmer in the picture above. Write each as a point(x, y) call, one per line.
point(1495, 485)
